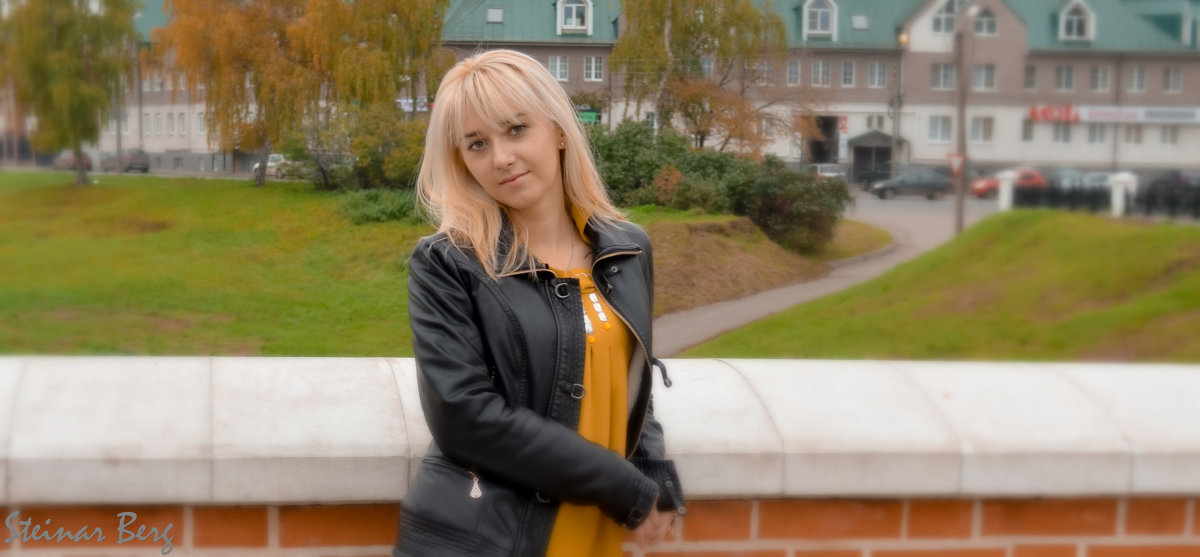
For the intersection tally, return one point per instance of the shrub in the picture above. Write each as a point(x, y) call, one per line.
point(378, 205)
point(704, 194)
point(797, 211)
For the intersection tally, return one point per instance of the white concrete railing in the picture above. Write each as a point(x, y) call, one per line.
point(313, 430)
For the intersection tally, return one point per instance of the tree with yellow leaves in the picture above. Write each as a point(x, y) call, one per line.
point(66, 58)
point(708, 65)
point(269, 67)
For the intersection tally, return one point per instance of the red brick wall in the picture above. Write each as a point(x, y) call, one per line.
point(1094, 527)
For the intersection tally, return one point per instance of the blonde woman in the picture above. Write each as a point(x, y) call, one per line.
point(530, 310)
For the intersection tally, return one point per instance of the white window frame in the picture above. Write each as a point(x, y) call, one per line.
point(877, 75)
point(1172, 79)
point(943, 76)
point(125, 123)
point(983, 129)
point(1061, 133)
point(820, 17)
point(793, 73)
point(1064, 78)
point(158, 82)
point(984, 77)
point(848, 64)
point(157, 123)
point(985, 23)
point(495, 15)
point(1133, 134)
point(170, 123)
point(575, 5)
point(1074, 15)
point(706, 67)
point(1030, 77)
point(1169, 134)
point(820, 73)
point(944, 17)
point(1097, 133)
point(559, 68)
point(182, 123)
point(941, 129)
point(1136, 83)
point(1027, 130)
point(1100, 78)
point(593, 68)
point(201, 125)
point(147, 124)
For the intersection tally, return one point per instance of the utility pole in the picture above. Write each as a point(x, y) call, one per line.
point(896, 105)
point(960, 69)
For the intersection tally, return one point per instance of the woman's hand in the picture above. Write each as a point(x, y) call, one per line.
point(654, 529)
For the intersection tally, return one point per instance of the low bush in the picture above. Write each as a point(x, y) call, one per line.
point(364, 206)
point(796, 210)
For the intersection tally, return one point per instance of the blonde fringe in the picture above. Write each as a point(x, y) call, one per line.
point(497, 85)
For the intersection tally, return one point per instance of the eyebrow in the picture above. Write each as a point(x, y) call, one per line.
point(519, 116)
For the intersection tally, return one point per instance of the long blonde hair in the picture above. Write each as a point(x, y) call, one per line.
point(497, 85)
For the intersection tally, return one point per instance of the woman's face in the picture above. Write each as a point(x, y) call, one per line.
point(517, 164)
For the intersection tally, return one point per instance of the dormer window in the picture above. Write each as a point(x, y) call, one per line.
point(820, 13)
point(1076, 23)
point(985, 23)
point(574, 17)
point(820, 18)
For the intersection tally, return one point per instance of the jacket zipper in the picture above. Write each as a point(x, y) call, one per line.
point(645, 351)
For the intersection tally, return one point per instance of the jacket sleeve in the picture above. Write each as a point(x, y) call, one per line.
point(650, 455)
point(473, 424)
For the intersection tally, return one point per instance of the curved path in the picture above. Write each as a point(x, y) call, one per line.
point(916, 225)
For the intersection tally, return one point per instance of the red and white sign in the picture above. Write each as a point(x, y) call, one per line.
point(1053, 113)
point(956, 163)
point(1114, 114)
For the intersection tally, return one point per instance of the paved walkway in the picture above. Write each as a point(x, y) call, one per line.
point(916, 226)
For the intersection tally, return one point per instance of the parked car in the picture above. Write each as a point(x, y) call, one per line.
point(826, 170)
point(1097, 180)
point(920, 181)
point(869, 177)
point(280, 166)
point(1064, 178)
point(131, 159)
point(990, 186)
point(66, 161)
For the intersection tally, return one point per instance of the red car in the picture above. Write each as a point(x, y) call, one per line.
point(1026, 178)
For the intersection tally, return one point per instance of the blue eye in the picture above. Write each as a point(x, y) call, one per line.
point(475, 146)
point(517, 129)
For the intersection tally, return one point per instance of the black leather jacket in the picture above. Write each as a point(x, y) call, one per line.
point(500, 367)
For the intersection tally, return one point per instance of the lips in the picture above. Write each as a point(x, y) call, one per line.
point(512, 179)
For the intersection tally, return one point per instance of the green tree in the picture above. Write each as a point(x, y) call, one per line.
point(271, 67)
point(67, 57)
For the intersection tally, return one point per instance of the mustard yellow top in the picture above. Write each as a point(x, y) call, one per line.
point(583, 531)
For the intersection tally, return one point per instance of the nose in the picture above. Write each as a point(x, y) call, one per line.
point(502, 156)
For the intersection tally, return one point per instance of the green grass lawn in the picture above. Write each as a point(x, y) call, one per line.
point(153, 265)
point(189, 266)
point(1029, 285)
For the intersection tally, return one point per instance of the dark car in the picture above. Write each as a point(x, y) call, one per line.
point(919, 181)
point(66, 161)
point(131, 159)
point(1173, 192)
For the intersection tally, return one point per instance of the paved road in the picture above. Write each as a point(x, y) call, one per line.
point(916, 225)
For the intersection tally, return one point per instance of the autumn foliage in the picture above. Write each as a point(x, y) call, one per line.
point(279, 66)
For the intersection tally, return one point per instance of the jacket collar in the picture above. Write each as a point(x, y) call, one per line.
point(604, 238)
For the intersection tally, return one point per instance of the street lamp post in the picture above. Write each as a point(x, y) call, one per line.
point(896, 105)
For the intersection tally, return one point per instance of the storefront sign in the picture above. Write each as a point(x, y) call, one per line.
point(1119, 114)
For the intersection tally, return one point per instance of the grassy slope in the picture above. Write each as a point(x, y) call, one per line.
point(183, 266)
point(154, 265)
point(1023, 286)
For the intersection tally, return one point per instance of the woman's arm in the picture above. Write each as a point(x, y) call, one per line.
point(474, 425)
